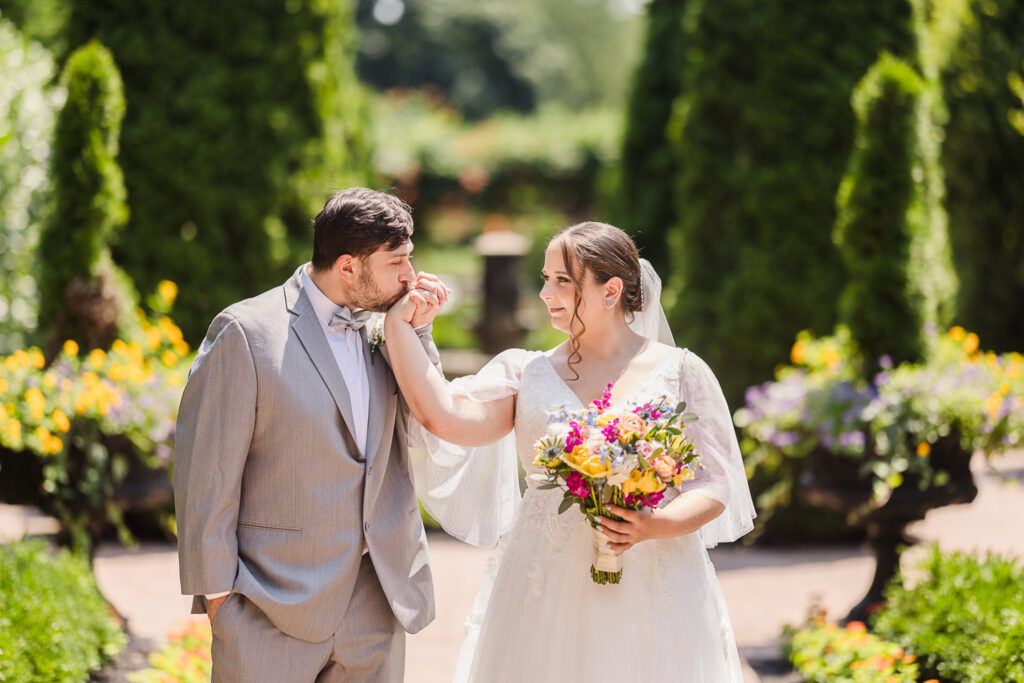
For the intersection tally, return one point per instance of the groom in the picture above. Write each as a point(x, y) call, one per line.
point(298, 527)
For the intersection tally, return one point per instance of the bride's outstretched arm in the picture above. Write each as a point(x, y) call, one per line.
point(455, 419)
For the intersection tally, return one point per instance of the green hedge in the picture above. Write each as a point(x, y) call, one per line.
point(645, 205)
point(82, 296)
point(964, 618)
point(54, 624)
point(241, 118)
point(764, 129)
point(893, 241)
point(983, 155)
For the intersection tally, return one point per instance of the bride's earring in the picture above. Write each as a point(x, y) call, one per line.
point(609, 303)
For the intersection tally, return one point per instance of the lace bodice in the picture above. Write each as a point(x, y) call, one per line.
point(474, 492)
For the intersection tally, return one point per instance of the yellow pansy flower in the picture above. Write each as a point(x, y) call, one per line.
point(169, 358)
point(61, 420)
point(957, 333)
point(116, 372)
point(97, 357)
point(180, 347)
point(37, 359)
point(50, 380)
point(798, 352)
point(971, 343)
point(53, 445)
point(42, 433)
point(13, 430)
point(90, 379)
point(167, 290)
point(3, 385)
point(119, 347)
point(71, 347)
point(3, 415)
point(153, 338)
point(924, 448)
point(993, 403)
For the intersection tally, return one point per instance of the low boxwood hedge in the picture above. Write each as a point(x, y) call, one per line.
point(54, 624)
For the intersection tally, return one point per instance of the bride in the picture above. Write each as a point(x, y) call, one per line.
point(539, 616)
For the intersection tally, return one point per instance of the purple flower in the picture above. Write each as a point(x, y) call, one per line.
point(885, 361)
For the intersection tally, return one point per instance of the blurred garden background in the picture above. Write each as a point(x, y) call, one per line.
point(831, 192)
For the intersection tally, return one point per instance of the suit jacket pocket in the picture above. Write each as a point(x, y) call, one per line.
point(269, 526)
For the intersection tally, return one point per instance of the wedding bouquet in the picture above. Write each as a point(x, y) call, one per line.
point(627, 457)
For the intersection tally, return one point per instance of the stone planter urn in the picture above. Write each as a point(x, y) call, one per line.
point(834, 481)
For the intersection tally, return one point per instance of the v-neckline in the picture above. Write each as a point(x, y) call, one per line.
point(623, 397)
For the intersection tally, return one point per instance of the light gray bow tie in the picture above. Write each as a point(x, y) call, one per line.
point(347, 319)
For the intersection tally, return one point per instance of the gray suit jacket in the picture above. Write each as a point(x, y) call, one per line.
point(273, 498)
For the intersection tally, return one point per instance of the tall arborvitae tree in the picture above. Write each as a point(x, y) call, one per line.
point(764, 129)
point(895, 250)
point(242, 117)
point(983, 158)
point(82, 296)
point(645, 203)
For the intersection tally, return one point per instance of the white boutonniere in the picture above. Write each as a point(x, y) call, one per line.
point(376, 337)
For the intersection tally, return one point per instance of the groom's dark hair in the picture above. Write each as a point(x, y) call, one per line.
point(359, 221)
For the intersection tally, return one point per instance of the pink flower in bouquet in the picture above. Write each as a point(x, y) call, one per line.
point(577, 435)
point(611, 431)
point(645, 448)
point(577, 485)
point(631, 424)
point(595, 442)
point(605, 401)
point(665, 466)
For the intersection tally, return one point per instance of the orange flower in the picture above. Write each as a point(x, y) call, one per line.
point(924, 448)
point(856, 627)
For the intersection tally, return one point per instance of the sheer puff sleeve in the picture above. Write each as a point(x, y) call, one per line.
point(724, 478)
point(472, 491)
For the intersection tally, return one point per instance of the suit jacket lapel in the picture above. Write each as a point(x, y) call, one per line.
point(382, 396)
point(311, 334)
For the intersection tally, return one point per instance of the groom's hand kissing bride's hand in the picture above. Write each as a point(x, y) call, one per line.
point(424, 300)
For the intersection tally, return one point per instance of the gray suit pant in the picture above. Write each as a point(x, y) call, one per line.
point(368, 646)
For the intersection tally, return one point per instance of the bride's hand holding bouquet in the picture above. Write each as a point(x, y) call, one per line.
point(616, 465)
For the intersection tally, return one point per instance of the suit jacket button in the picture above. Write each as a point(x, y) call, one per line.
point(366, 526)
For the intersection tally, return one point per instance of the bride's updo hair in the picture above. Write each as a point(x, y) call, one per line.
point(605, 252)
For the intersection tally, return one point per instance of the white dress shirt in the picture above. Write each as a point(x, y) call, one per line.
point(346, 345)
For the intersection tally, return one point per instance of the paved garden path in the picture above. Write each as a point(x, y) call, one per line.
point(764, 588)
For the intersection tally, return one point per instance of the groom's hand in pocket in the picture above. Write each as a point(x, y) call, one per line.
point(213, 605)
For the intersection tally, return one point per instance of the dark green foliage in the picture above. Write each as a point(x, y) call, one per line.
point(881, 214)
point(646, 202)
point(54, 624)
point(40, 20)
point(764, 129)
point(242, 117)
point(983, 156)
point(964, 618)
point(79, 294)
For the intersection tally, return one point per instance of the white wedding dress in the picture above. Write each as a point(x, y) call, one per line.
point(538, 616)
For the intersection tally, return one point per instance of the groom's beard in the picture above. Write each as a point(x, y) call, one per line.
point(373, 298)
